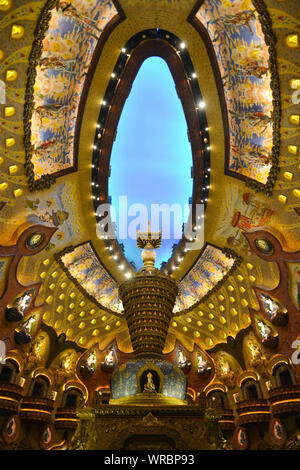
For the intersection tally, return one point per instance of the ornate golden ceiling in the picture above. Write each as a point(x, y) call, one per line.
point(66, 202)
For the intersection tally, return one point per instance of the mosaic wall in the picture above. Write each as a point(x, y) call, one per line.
point(67, 49)
point(85, 267)
point(243, 57)
point(209, 270)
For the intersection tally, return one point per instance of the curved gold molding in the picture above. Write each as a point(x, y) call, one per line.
point(248, 374)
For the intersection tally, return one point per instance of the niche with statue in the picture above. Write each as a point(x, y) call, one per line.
point(109, 361)
point(27, 329)
point(182, 361)
point(150, 381)
point(88, 363)
point(202, 365)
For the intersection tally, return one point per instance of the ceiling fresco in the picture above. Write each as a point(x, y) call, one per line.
point(58, 74)
point(83, 265)
point(234, 208)
point(243, 56)
point(211, 267)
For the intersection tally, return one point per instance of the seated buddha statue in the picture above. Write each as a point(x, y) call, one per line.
point(149, 385)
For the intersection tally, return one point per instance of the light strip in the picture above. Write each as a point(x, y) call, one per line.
point(254, 413)
point(35, 410)
point(286, 401)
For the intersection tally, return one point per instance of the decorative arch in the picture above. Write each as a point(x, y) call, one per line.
point(277, 360)
point(215, 387)
point(246, 376)
point(44, 373)
point(78, 385)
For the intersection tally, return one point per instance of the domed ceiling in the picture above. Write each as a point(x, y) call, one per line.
point(61, 106)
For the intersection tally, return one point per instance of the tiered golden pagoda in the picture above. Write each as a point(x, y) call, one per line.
point(148, 301)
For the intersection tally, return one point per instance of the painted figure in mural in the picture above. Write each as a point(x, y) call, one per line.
point(254, 119)
point(223, 365)
point(56, 218)
point(258, 155)
point(47, 147)
point(56, 63)
point(248, 69)
point(53, 111)
point(63, 65)
point(149, 385)
point(32, 203)
point(225, 22)
point(83, 20)
point(264, 330)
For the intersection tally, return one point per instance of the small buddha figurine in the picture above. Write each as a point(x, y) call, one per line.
point(149, 385)
point(201, 364)
point(24, 301)
point(91, 361)
point(265, 331)
point(27, 325)
point(109, 358)
point(271, 306)
point(182, 360)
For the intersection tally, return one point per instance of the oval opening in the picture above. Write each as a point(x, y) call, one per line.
point(151, 162)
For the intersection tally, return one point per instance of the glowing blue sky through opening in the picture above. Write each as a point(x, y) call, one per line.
point(151, 157)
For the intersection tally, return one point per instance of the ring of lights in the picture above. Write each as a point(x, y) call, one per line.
point(146, 44)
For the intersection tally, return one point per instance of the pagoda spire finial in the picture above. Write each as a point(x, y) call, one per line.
point(148, 241)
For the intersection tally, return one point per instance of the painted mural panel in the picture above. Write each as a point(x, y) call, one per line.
point(84, 266)
point(68, 46)
point(57, 209)
point(243, 57)
point(240, 211)
point(209, 270)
